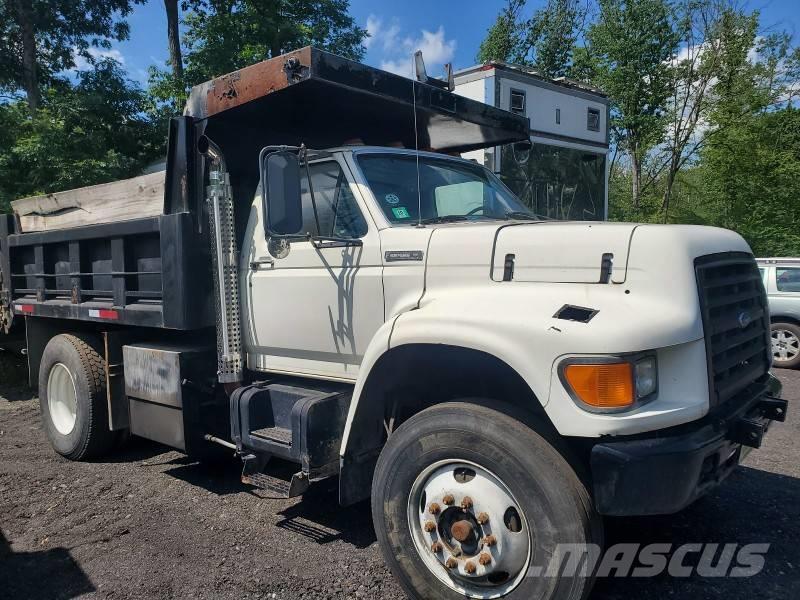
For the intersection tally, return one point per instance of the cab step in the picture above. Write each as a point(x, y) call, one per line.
point(279, 435)
point(299, 421)
point(253, 474)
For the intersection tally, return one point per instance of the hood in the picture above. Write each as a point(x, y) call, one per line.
point(572, 252)
point(561, 252)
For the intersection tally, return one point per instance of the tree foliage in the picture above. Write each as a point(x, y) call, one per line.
point(41, 38)
point(95, 131)
point(544, 41)
point(631, 47)
point(224, 35)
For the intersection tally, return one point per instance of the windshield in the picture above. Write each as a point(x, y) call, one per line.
point(450, 190)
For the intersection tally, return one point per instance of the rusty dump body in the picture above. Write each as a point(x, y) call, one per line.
point(325, 100)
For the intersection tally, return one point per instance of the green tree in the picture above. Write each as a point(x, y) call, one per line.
point(545, 41)
point(40, 38)
point(225, 35)
point(93, 132)
point(504, 39)
point(629, 53)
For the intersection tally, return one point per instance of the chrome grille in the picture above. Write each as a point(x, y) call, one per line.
point(735, 321)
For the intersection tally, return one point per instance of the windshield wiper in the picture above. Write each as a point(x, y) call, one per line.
point(518, 214)
point(444, 219)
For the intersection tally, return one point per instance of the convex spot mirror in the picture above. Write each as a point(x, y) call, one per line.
point(522, 151)
point(280, 179)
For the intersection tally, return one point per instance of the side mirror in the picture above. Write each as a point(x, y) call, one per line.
point(280, 189)
point(522, 151)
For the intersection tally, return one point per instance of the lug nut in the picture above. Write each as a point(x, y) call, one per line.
point(469, 567)
point(448, 499)
point(451, 563)
point(483, 518)
point(436, 547)
point(430, 526)
point(490, 540)
point(485, 558)
point(466, 502)
point(434, 508)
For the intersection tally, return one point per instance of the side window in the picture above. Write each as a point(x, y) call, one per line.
point(788, 279)
point(517, 104)
point(338, 212)
point(593, 119)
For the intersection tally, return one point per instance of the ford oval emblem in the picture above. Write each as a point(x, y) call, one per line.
point(744, 319)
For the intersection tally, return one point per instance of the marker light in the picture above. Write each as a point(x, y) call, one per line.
point(602, 385)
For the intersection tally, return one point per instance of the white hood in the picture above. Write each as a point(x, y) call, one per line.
point(561, 252)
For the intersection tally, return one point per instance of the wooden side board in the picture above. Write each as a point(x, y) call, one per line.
point(135, 198)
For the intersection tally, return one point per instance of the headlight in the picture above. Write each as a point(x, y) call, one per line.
point(645, 375)
point(609, 384)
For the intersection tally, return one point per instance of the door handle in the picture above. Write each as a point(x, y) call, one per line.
point(261, 263)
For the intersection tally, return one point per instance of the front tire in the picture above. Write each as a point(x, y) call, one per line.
point(785, 345)
point(72, 397)
point(458, 473)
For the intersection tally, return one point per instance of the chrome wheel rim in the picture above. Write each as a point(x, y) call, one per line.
point(785, 345)
point(468, 529)
point(62, 399)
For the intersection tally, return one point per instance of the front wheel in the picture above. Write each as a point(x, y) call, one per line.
point(469, 502)
point(785, 345)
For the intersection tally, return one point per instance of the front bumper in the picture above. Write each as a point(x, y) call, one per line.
point(663, 472)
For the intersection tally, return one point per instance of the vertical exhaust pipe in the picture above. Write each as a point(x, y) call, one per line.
point(219, 198)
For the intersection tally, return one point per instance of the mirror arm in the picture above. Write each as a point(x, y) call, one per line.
point(304, 157)
point(335, 242)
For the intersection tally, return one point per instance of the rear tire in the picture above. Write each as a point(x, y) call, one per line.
point(510, 463)
point(72, 397)
point(785, 345)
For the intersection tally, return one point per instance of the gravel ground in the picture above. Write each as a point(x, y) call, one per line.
point(150, 523)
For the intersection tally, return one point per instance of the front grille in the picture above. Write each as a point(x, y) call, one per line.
point(735, 321)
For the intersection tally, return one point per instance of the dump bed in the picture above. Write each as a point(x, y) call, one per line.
point(145, 272)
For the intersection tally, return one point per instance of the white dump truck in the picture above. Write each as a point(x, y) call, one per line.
point(326, 283)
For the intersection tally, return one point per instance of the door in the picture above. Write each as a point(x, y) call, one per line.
point(314, 311)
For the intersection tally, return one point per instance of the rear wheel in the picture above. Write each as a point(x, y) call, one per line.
point(72, 397)
point(785, 345)
point(460, 511)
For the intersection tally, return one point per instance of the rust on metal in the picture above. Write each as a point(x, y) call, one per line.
point(466, 502)
point(490, 540)
point(434, 508)
point(461, 530)
point(258, 80)
point(451, 563)
point(448, 499)
point(470, 567)
point(483, 518)
point(436, 547)
point(430, 526)
point(485, 558)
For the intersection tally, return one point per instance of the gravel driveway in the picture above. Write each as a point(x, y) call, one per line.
point(148, 522)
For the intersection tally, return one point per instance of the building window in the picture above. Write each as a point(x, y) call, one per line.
point(518, 102)
point(593, 120)
point(558, 116)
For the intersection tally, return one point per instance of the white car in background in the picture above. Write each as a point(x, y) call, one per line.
point(782, 282)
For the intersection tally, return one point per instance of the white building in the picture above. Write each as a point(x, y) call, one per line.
point(565, 173)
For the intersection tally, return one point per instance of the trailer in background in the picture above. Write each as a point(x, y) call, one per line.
point(564, 175)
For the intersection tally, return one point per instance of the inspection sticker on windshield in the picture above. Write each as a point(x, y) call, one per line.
point(401, 212)
point(392, 199)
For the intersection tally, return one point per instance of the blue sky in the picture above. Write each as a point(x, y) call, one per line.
point(446, 31)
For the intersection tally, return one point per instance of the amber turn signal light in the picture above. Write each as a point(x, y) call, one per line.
point(602, 385)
